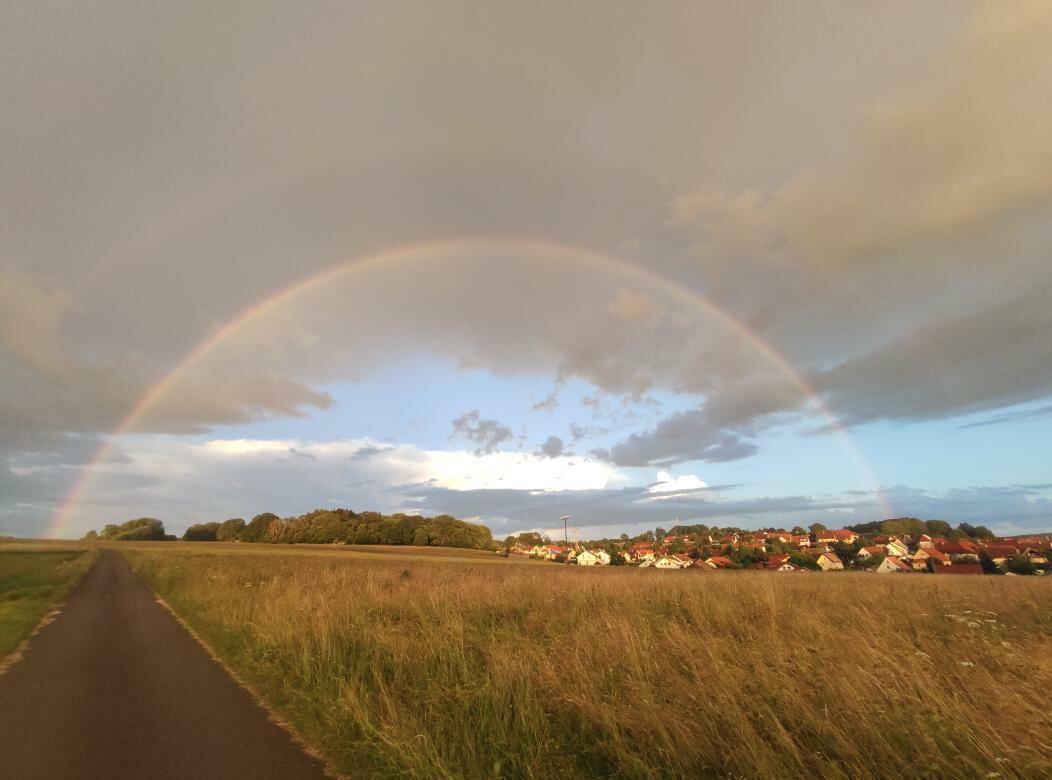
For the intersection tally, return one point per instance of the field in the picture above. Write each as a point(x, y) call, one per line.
point(33, 577)
point(470, 666)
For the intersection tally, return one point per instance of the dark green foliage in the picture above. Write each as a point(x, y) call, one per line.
point(201, 532)
point(1019, 564)
point(989, 567)
point(256, 530)
point(911, 526)
point(343, 526)
point(142, 529)
point(804, 561)
point(872, 561)
point(747, 556)
point(847, 552)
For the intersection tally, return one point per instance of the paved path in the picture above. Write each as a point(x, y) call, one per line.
point(116, 688)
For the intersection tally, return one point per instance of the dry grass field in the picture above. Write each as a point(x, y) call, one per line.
point(429, 667)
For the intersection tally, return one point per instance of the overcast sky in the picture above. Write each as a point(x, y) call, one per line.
point(748, 264)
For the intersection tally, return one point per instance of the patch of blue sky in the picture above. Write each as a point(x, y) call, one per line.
point(414, 401)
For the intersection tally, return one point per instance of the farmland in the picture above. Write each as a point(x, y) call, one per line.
point(455, 663)
point(33, 577)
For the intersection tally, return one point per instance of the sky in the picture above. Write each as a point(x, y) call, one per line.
point(754, 265)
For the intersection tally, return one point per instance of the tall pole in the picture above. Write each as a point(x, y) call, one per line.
point(566, 535)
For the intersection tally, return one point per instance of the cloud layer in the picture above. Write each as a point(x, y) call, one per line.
point(873, 211)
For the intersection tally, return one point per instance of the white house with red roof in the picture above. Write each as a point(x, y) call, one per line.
point(893, 565)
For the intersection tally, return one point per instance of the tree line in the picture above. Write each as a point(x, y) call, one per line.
point(322, 526)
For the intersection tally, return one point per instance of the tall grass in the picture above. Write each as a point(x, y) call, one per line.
point(433, 669)
point(32, 579)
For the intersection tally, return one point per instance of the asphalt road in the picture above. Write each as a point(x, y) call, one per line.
point(115, 687)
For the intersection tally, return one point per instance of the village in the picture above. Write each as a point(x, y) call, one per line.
point(816, 551)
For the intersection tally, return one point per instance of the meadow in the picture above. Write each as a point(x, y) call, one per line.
point(33, 578)
point(424, 666)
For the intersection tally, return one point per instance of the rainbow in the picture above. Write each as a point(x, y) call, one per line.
point(421, 252)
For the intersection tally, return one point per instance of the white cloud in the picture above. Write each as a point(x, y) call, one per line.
point(668, 484)
point(183, 482)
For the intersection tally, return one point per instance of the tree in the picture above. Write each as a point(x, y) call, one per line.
point(256, 530)
point(817, 527)
point(798, 531)
point(847, 552)
point(937, 528)
point(872, 561)
point(230, 530)
point(988, 564)
point(1020, 564)
point(142, 529)
point(747, 556)
point(201, 532)
point(803, 561)
point(660, 533)
point(91, 536)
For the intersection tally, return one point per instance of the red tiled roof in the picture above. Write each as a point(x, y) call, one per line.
point(957, 548)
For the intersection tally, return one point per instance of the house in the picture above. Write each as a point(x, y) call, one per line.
point(828, 561)
point(896, 547)
point(921, 557)
point(959, 550)
point(839, 536)
point(892, 565)
point(719, 562)
point(641, 551)
point(868, 552)
point(961, 568)
point(539, 551)
point(800, 540)
point(587, 558)
point(1000, 552)
point(780, 563)
point(667, 562)
point(554, 551)
point(1036, 556)
point(602, 555)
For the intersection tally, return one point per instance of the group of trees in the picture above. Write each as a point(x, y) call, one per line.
point(344, 526)
point(142, 529)
point(911, 526)
point(322, 526)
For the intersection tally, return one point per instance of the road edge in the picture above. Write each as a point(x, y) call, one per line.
point(19, 651)
point(298, 739)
